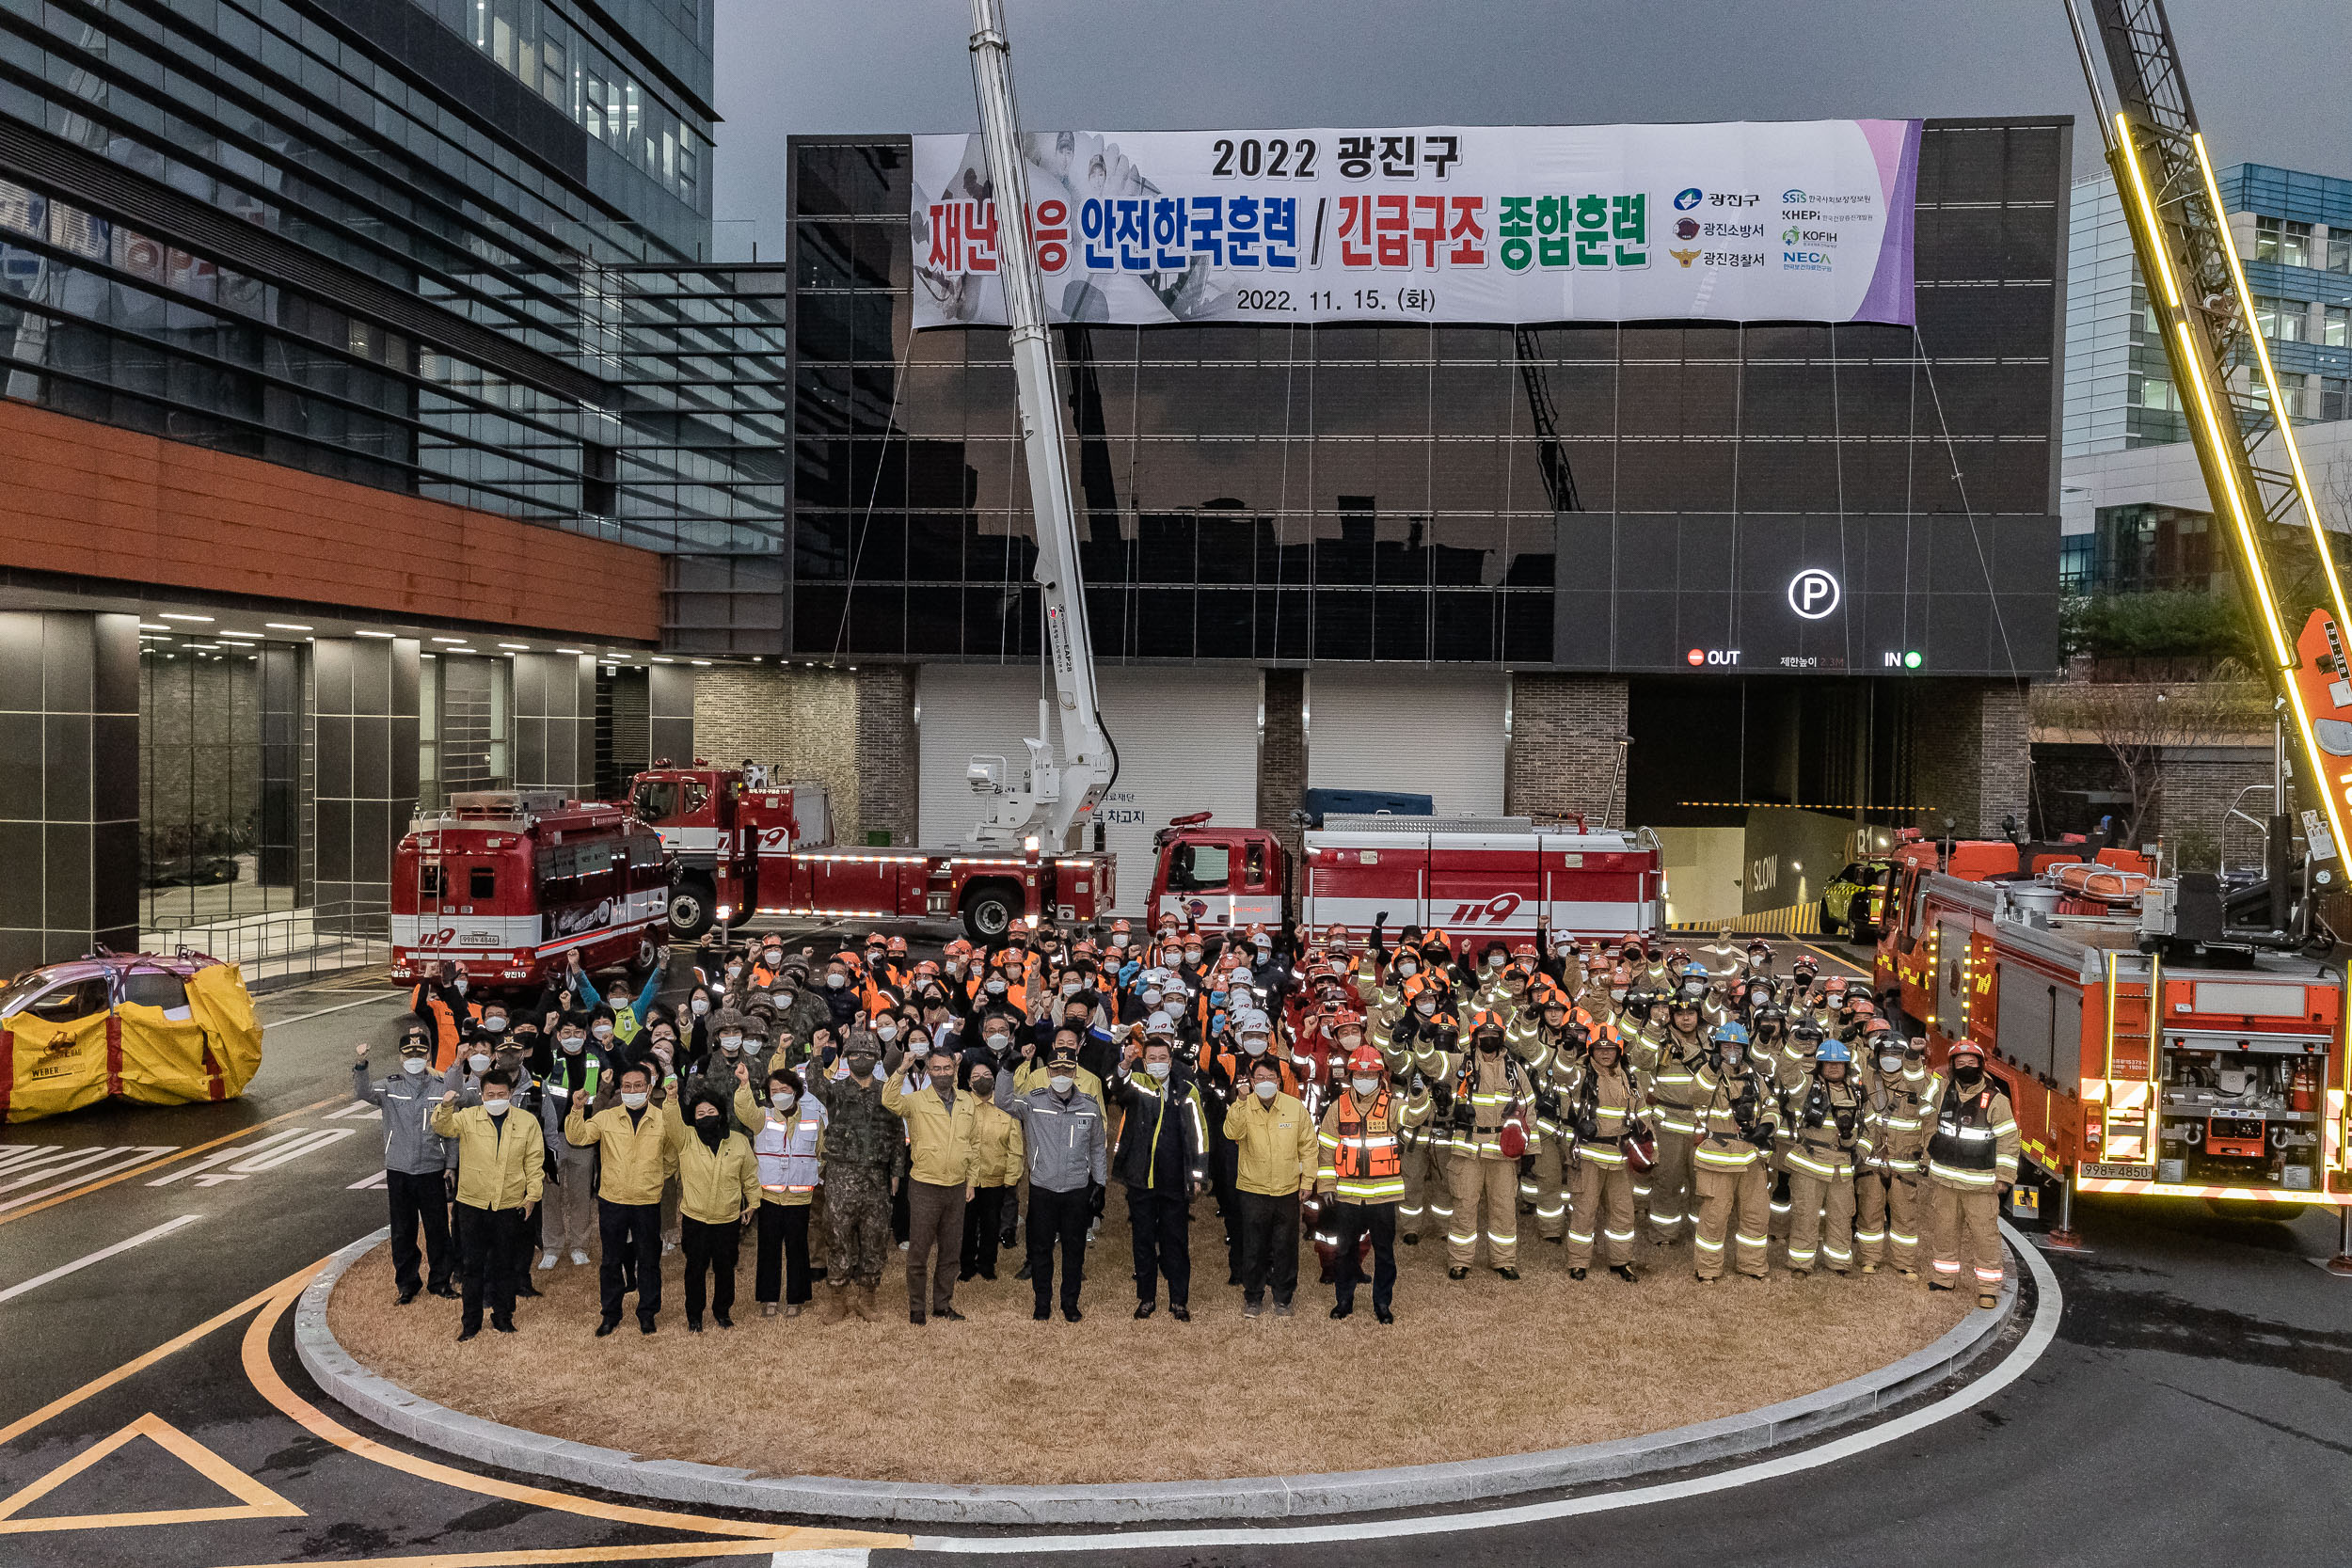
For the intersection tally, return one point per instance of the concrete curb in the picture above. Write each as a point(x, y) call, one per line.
point(1242, 1498)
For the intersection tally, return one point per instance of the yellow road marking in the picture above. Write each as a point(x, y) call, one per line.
point(255, 1501)
point(166, 1160)
point(264, 1375)
point(556, 1554)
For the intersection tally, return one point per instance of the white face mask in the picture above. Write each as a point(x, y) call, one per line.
point(774, 956)
point(1364, 1084)
point(781, 1101)
point(1425, 1007)
point(1192, 955)
point(997, 1042)
point(1616, 994)
point(1069, 987)
point(1890, 1064)
point(1407, 967)
point(701, 1005)
point(1159, 1070)
point(603, 1031)
point(1265, 1088)
point(633, 1099)
point(1151, 998)
point(730, 1042)
point(734, 969)
point(572, 1043)
point(479, 1061)
point(886, 1031)
point(835, 980)
point(496, 1107)
point(459, 985)
point(1119, 939)
point(996, 987)
point(954, 966)
point(1254, 1047)
point(1494, 960)
point(412, 1064)
point(1061, 1083)
point(495, 1025)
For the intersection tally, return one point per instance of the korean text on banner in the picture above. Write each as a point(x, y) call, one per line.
point(1806, 220)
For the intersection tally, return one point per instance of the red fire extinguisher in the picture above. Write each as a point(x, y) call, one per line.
point(2303, 1094)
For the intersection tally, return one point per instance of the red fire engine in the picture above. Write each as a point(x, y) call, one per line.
point(2139, 1061)
point(743, 854)
point(1490, 875)
point(508, 884)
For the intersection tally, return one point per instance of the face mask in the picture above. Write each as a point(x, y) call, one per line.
point(774, 956)
point(734, 969)
point(1890, 1064)
point(1119, 939)
point(495, 1025)
point(1489, 1046)
point(1061, 1083)
point(412, 1064)
point(633, 1099)
point(1967, 1074)
point(835, 980)
point(886, 1031)
point(701, 1005)
point(479, 1061)
point(996, 987)
point(496, 1107)
point(874, 958)
point(1364, 1084)
point(1254, 1047)
point(459, 985)
point(983, 1087)
point(1159, 1070)
point(861, 1065)
point(702, 1122)
point(1494, 960)
point(572, 1043)
point(1192, 955)
point(1426, 1007)
point(997, 1042)
point(1151, 998)
point(602, 1031)
point(1263, 1088)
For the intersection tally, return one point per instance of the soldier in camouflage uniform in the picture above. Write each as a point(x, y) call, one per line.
point(865, 1157)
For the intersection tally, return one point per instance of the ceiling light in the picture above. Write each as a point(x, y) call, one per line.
point(461, 650)
point(659, 659)
point(285, 626)
point(149, 626)
point(518, 647)
point(169, 616)
point(700, 663)
point(576, 651)
point(371, 634)
point(449, 639)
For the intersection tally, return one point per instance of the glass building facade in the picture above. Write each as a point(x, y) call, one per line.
point(1590, 495)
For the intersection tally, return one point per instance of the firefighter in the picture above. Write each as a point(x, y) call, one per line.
point(1362, 1176)
point(1825, 1126)
point(1972, 1161)
point(1421, 1043)
point(1491, 1104)
point(1673, 1092)
point(1550, 1056)
point(1603, 1105)
point(1891, 1154)
point(1737, 1114)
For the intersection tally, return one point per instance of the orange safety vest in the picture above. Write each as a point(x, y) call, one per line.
point(1368, 1164)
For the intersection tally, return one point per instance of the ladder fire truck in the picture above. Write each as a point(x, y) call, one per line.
point(2157, 1037)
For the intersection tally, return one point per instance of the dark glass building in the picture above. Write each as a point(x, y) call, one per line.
point(1588, 497)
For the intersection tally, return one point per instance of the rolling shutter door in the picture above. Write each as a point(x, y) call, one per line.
point(1187, 741)
point(1425, 732)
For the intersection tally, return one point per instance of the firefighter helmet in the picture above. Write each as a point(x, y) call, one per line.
point(1875, 1026)
point(1159, 1026)
point(897, 947)
point(1483, 1019)
point(1731, 1031)
point(1833, 1051)
point(1966, 1048)
point(1344, 1020)
point(1364, 1059)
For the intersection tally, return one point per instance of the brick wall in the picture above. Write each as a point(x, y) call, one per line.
point(889, 761)
point(1564, 745)
point(93, 501)
point(1282, 755)
point(1970, 748)
point(801, 723)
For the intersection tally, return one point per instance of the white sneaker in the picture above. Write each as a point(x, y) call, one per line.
point(546, 1259)
point(579, 1258)
point(902, 1246)
point(668, 1248)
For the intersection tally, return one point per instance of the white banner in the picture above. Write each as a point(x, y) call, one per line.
point(1807, 220)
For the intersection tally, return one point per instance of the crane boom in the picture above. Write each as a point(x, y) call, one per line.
point(1056, 792)
point(2179, 233)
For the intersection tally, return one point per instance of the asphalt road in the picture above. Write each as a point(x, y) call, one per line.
point(2196, 1406)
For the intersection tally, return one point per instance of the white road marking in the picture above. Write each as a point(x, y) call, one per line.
point(2048, 1305)
point(376, 1182)
point(824, 1556)
point(100, 1256)
point(235, 1164)
point(22, 1164)
point(359, 1110)
point(339, 1008)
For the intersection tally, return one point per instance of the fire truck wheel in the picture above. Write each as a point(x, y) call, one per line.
point(989, 913)
point(2255, 1209)
point(692, 906)
point(1829, 920)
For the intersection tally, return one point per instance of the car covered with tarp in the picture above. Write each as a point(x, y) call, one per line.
point(156, 1030)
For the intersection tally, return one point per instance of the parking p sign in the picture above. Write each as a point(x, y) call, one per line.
point(1812, 593)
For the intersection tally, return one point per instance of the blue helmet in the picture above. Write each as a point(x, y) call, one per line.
point(1833, 1051)
point(1735, 1032)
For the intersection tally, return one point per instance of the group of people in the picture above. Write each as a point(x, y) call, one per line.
point(840, 1107)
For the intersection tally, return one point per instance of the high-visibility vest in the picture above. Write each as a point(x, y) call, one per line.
point(1368, 1164)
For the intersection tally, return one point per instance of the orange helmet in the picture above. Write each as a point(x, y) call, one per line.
point(1119, 927)
point(1483, 1019)
point(957, 948)
point(897, 947)
point(1344, 1020)
point(1438, 939)
point(1364, 1059)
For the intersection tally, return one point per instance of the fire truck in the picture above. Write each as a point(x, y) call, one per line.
point(741, 854)
point(507, 884)
point(2145, 1052)
point(1490, 875)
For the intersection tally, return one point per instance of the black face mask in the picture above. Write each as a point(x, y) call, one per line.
point(1489, 1046)
point(1968, 1077)
point(710, 1130)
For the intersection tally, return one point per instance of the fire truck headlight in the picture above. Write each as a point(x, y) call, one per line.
point(1028, 844)
point(1031, 920)
point(726, 911)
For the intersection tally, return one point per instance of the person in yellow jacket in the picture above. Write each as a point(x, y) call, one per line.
point(1972, 1160)
point(634, 1161)
point(998, 1157)
point(1274, 1146)
point(1739, 1116)
point(1601, 1104)
point(717, 1182)
point(940, 1134)
point(500, 1160)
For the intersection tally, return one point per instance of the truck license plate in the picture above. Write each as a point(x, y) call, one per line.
point(2119, 1173)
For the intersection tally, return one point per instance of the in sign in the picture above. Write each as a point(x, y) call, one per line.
point(1812, 593)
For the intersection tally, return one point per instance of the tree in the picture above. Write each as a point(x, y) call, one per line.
point(2139, 721)
point(2182, 624)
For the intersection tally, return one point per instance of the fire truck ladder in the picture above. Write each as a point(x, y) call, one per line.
point(1551, 459)
point(2172, 205)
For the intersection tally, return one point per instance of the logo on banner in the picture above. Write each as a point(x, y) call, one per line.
point(1685, 200)
point(1686, 229)
point(1812, 593)
point(1685, 256)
